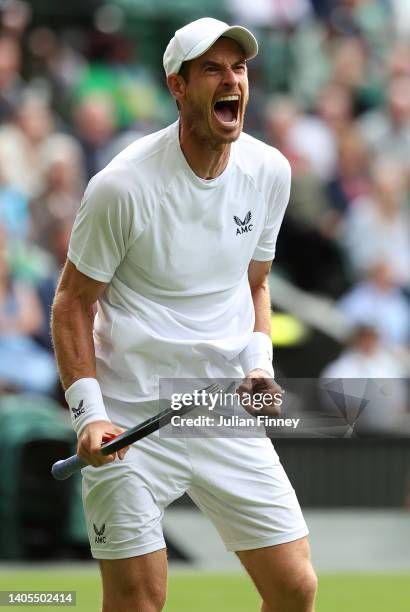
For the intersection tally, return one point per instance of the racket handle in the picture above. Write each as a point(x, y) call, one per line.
point(66, 467)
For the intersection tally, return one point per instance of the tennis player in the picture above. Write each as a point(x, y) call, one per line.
point(173, 242)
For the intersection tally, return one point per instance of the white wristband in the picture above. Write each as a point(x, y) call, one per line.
point(258, 354)
point(86, 403)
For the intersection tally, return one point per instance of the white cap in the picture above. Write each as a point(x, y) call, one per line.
point(197, 37)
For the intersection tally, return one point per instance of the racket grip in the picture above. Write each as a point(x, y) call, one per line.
point(66, 467)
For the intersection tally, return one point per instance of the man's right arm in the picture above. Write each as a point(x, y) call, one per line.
point(72, 331)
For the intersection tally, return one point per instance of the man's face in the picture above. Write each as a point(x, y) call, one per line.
point(216, 93)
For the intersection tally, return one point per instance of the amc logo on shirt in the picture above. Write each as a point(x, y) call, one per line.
point(243, 226)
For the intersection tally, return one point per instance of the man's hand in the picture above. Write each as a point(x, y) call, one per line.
point(91, 438)
point(259, 385)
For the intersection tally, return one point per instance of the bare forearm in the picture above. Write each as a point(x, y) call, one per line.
point(261, 302)
point(72, 324)
point(73, 340)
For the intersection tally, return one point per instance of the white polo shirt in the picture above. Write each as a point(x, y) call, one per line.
point(175, 250)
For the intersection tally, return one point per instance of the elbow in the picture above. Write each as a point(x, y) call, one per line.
point(66, 308)
point(59, 308)
point(261, 286)
point(59, 314)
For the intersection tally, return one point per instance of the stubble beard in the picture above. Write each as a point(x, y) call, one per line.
point(199, 123)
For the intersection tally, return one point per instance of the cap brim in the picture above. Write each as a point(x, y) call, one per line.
point(241, 35)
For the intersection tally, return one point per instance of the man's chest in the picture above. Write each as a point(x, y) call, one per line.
point(201, 233)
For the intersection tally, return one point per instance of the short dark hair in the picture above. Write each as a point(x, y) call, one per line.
point(184, 72)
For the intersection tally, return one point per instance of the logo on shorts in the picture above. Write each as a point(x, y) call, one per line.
point(79, 410)
point(243, 226)
point(99, 534)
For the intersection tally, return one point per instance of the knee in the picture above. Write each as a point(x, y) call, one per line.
point(307, 587)
point(149, 596)
point(299, 589)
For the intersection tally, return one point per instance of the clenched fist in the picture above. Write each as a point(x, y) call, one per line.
point(91, 438)
point(260, 394)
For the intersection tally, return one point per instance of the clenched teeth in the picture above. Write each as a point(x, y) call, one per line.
point(228, 99)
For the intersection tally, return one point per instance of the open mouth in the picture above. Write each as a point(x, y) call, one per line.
point(226, 109)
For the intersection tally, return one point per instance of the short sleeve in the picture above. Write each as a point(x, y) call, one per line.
point(276, 206)
point(104, 229)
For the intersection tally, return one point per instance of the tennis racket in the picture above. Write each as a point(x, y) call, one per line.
point(66, 467)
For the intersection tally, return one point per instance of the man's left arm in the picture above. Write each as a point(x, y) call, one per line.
point(258, 272)
point(257, 357)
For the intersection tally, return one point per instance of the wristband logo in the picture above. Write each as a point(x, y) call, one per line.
point(243, 226)
point(79, 410)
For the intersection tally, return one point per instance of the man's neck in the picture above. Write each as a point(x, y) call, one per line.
point(207, 160)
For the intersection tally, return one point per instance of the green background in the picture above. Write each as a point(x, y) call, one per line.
point(204, 592)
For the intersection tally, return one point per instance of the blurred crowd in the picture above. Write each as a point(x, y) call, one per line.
point(330, 89)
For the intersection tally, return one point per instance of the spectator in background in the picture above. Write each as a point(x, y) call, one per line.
point(282, 116)
point(372, 19)
point(398, 61)
point(349, 66)
point(11, 84)
point(63, 168)
point(270, 13)
point(308, 197)
point(54, 63)
point(357, 67)
point(95, 127)
point(60, 232)
point(378, 301)
point(307, 142)
point(387, 130)
point(22, 145)
point(335, 107)
point(352, 180)
point(308, 222)
point(385, 403)
point(15, 17)
point(24, 365)
point(97, 131)
point(377, 226)
point(14, 211)
point(314, 142)
point(401, 12)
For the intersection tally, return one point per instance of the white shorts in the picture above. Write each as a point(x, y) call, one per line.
point(239, 483)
